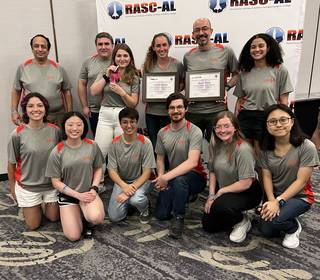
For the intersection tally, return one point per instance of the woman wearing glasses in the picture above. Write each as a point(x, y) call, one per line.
point(231, 164)
point(158, 61)
point(264, 81)
point(287, 161)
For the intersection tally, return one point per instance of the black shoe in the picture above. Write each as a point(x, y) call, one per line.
point(177, 226)
point(193, 198)
point(88, 230)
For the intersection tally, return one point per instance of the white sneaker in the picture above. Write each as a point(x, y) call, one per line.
point(239, 232)
point(291, 240)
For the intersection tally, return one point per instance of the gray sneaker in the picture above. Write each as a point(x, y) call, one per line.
point(145, 216)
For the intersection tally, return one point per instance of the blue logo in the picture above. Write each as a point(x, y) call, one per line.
point(115, 10)
point(277, 33)
point(217, 6)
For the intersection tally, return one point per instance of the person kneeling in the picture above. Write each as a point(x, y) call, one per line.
point(130, 163)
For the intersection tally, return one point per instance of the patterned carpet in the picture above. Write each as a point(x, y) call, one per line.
point(129, 250)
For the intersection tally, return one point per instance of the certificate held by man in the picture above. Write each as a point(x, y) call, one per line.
point(156, 87)
point(205, 85)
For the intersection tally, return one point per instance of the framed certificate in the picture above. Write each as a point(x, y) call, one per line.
point(205, 85)
point(156, 87)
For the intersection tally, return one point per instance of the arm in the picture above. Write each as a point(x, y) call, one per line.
point(284, 99)
point(146, 172)
point(130, 100)
point(15, 99)
point(316, 138)
point(97, 175)
point(82, 92)
point(212, 191)
point(129, 190)
point(236, 187)
point(234, 79)
point(98, 86)
point(68, 97)
point(239, 104)
point(12, 180)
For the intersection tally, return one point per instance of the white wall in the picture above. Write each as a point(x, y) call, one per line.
point(76, 27)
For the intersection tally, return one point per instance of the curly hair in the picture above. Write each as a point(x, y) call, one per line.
point(273, 57)
point(151, 57)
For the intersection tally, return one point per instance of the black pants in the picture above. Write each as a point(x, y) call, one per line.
point(226, 210)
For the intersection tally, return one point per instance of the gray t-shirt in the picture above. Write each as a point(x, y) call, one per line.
point(90, 69)
point(75, 166)
point(262, 87)
point(240, 166)
point(159, 108)
point(49, 80)
point(176, 144)
point(111, 99)
point(29, 150)
point(284, 169)
point(129, 159)
point(217, 57)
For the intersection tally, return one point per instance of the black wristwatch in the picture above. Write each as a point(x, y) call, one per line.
point(95, 188)
point(106, 78)
point(281, 201)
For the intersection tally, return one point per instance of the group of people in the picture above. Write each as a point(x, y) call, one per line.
point(263, 135)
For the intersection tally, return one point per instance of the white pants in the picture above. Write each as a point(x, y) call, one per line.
point(108, 127)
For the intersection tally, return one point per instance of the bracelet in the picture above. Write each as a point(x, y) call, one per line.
point(65, 189)
point(95, 188)
point(106, 78)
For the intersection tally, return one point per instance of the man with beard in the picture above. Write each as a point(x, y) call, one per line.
point(43, 75)
point(90, 69)
point(180, 141)
point(205, 57)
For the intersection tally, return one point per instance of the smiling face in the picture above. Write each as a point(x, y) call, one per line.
point(176, 110)
point(122, 58)
point(202, 32)
point(224, 129)
point(35, 109)
point(40, 48)
point(258, 49)
point(279, 123)
point(129, 126)
point(104, 47)
point(74, 128)
point(161, 46)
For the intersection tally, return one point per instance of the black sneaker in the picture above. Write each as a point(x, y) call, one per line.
point(177, 226)
point(145, 216)
point(88, 230)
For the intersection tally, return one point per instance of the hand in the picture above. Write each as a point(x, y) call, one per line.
point(160, 183)
point(122, 197)
point(111, 68)
point(86, 197)
point(129, 190)
point(16, 118)
point(13, 193)
point(270, 210)
point(117, 89)
point(207, 206)
point(86, 111)
point(93, 192)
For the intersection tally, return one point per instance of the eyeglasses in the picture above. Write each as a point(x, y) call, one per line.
point(178, 108)
point(203, 29)
point(225, 126)
point(282, 121)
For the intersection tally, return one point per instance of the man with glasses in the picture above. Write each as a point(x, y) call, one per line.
point(205, 57)
point(130, 163)
point(90, 69)
point(180, 141)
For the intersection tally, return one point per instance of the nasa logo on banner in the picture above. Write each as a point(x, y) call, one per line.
point(115, 10)
point(276, 33)
point(217, 6)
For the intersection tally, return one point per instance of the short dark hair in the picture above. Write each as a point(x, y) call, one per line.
point(175, 96)
point(44, 37)
point(74, 114)
point(24, 103)
point(296, 135)
point(273, 57)
point(103, 35)
point(130, 113)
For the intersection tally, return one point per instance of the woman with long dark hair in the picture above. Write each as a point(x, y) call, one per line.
point(287, 161)
point(29, 147)
point(231, 164)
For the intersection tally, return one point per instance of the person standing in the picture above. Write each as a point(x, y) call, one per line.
point(180, 141)
point(42, 75)
point(130, 163)
point(205, 57)
point(90, 69)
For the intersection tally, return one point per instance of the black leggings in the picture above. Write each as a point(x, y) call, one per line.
point(226, 210)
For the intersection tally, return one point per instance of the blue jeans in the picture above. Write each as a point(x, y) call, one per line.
point(154, 124)
point(285, 222)
point(174, 199)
